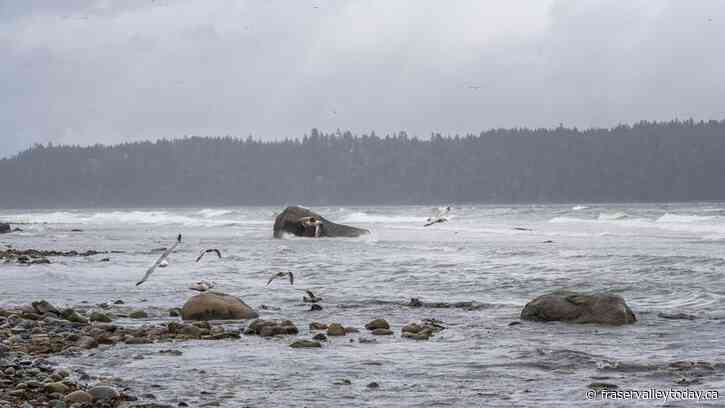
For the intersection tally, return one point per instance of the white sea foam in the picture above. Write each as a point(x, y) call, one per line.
point(685, 218)
point(138, 217)
point(619, 215)
point(361, 217)
point(579, 207)
point(213, 212)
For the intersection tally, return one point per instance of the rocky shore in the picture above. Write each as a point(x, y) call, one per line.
point(30, 334)
point(36, 256)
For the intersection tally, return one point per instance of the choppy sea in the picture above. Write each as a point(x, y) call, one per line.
point(662, 258)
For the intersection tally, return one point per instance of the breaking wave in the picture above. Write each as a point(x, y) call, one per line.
point(362, 217)
point(201, 218)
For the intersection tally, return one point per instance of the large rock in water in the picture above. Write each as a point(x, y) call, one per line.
point(216, 306)
point(4, 228)
point(305, 223)
point(568, 306)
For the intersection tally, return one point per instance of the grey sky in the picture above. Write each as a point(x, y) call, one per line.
point(87, 71)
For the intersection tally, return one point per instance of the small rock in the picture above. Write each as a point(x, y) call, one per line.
point(305, 344)
point(171, 352)
point(320, 337)
point(78, 396)
point(138, 314)
point(73, 316)
point(382, 332)
point(100, 317)
point(335, 329)
point(412, 328)
point(43, 307)
point(677, 316)
point(514, 323)
point(118, 302)
point(373, 385)
point(318, 326)
point(343, 381)
point(377, 324)
point(417, 336)
point(175, 312)
point(58, 387)
point(103, 393)
point(87, 342)
point(603, 386)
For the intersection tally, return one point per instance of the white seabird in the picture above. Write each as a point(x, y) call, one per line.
point(281, 275)
point(161, 260)
point(439, 216)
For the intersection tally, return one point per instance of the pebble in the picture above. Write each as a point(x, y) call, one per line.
point(87, 342)
point(100, 317)
point(78, 396)
point(305, 344)
point(138, 314)
point(318, 326)
point(58, 387)
point(103, 393)
point(377, 324)
point(335, 329)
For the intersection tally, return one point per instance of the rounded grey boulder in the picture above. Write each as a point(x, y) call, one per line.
point(573, 307)
point(305, 223)
point(216, 306)
point(103, 393)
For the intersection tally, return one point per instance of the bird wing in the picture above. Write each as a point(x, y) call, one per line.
point(291, 278)
point(218, 253)
point(158, 262)
point(271, 279)
point(201, 255)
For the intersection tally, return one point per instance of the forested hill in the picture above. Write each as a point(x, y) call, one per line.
point(673, 161)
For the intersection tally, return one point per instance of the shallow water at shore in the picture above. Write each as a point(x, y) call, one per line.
point(660, 258)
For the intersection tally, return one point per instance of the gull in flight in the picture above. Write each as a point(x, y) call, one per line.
point(202, 286)
point(439, 215)
point(162, 259)
point(282, 275)
point(310, 298)
point(206, 251)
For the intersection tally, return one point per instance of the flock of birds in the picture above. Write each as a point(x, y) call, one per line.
point(205, 285)
point(439, 216)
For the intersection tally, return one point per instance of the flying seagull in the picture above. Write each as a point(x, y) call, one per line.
point(310, 298)
point(159, 261)
point(202, 286)
point(439, 215)
point(206, 251)
point(282, 275)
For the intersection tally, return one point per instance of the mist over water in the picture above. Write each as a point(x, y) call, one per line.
point(662, 258)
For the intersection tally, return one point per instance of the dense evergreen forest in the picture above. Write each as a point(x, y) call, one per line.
point(666, 161)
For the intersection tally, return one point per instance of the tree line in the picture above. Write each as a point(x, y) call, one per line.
point(647, 161)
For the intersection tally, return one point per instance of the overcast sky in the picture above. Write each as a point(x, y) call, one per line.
point(88, 71)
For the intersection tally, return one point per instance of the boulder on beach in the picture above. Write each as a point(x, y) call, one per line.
point(216, 306)
point(4, 228)
point(573, 307)
point(305, 223)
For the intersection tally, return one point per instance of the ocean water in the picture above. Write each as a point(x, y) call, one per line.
point(665, 258)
